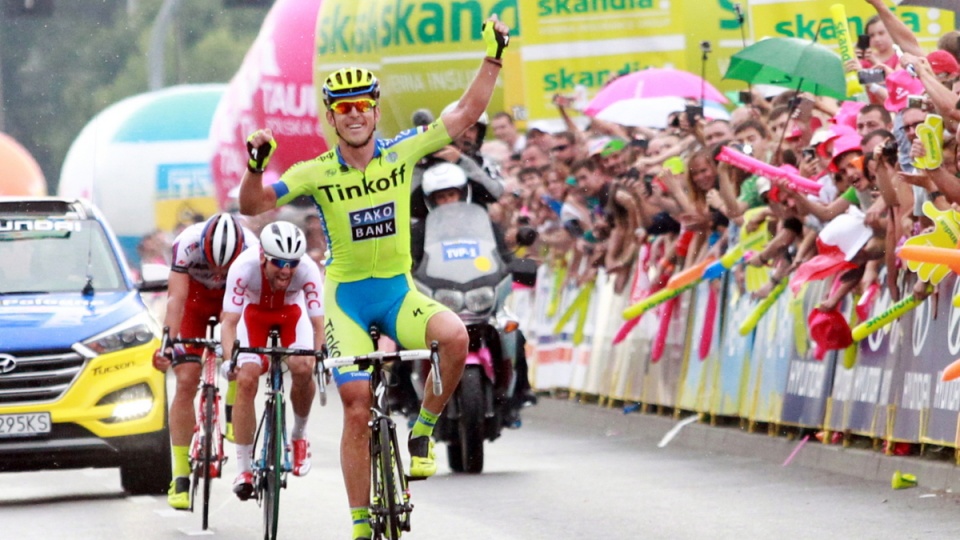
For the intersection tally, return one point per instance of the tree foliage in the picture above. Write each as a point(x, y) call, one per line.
point(58, 72)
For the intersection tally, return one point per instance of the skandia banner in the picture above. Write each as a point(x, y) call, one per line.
point(424, 53)
point(575, 47)
point(802, 18)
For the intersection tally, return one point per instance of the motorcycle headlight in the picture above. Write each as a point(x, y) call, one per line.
point(137, 331)
point(480, 300)
point(449, 298)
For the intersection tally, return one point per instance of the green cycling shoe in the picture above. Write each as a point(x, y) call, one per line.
point(178, 496)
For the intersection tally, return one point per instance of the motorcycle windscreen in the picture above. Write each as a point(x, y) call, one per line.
point(459, 245)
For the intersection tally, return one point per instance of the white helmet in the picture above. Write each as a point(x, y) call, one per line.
point(443, 176)
point(221, 239)
point(283, 240)
point(484, 119)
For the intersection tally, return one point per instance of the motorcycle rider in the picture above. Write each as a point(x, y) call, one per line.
point(446, 183)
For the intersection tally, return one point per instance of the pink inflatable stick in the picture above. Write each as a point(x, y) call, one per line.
point(755, 166)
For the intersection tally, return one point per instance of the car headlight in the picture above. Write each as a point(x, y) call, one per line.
point(480, 300)
point(129, 403)
point(137, 331)
point(449, 298)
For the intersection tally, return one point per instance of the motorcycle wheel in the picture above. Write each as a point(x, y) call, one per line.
point(472, 419)
point(455, 457)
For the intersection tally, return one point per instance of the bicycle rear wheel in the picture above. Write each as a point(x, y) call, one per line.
point(390, 509)
point(273, 468)
point(208, 401)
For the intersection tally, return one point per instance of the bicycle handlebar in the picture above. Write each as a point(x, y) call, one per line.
point(379, 357)
point(167, 342)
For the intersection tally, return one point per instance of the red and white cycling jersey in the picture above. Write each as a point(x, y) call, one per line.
point(188, 256)
point(248, 292)
point(248, 285)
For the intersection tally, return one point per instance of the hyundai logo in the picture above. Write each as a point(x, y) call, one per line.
point(7, 364)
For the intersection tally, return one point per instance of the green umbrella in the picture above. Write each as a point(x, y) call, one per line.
point(792, 63)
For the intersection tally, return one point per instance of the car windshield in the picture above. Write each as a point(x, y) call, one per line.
point(49, 256)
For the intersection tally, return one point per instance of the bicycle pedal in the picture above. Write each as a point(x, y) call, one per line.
point(415, 478)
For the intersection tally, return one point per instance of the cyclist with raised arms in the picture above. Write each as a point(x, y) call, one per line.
point(362, 190)
point(202, 255)
point(267, 288)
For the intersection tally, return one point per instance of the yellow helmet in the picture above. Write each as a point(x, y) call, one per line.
point(349, 82)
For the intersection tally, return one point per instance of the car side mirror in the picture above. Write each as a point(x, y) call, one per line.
point(153, 278)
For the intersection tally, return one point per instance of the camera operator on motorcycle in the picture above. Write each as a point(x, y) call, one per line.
point(482, 173)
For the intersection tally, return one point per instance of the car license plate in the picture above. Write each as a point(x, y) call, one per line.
point(19, 425)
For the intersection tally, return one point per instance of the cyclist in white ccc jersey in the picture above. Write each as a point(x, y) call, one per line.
point(269, 287)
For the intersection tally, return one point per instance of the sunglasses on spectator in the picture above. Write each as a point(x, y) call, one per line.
point(346, 105)
point(912, 126)
point(560, 148)
point(282, 263)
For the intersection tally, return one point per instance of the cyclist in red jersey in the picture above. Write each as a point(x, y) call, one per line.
point(271, 287)
point(202, 254)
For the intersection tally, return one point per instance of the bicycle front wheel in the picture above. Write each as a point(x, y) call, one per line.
point(273, 468)
point(209, 401)
point(391, 504)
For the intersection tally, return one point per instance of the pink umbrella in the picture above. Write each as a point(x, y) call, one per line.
point(653, 82)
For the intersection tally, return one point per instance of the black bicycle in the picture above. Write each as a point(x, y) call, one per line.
point(271, 467)
point(390, 505)
point(206, 447)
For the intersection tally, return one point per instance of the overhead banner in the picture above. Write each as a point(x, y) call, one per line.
point(574, 48)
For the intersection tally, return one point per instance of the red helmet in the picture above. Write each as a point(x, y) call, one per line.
point(222, 239)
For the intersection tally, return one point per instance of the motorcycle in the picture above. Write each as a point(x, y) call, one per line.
point(463, 270)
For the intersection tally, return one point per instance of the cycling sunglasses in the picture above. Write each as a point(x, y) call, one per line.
point(282, 263)
point(345, 105)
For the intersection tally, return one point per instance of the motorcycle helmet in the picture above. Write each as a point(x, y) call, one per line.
point(221, 240)
point(283, 240)
point(350, 82)
point(443, 176)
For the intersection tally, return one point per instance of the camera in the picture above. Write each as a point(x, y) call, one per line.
point(693, 112)
point(870, 76)
point(808, 153)
point(640, 143)
point(889, 151)
point(916, 102)
point(745, 97)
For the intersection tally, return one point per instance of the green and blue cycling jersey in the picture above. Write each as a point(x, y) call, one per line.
point(366, 219)
point(365, 213)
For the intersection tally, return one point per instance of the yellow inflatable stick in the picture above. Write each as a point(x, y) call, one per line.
point(655, 300)
point(930, 134)
point(895, 311)
point(580, 304)
point(762, 308)
point(558, 278)
point(842, 29)
point(946, 234)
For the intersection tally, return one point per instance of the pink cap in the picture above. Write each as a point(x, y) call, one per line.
point(842, 145)
point(943, 62)
point(900, 85)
